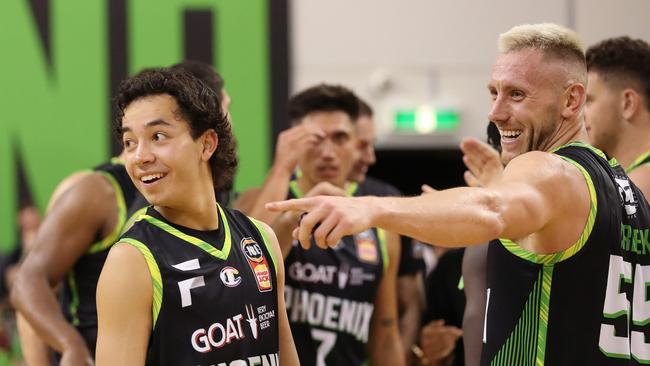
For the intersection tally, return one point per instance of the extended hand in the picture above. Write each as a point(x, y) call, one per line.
point(483, 162)
point(329, 218)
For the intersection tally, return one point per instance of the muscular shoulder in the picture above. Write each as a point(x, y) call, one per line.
point(544, 170)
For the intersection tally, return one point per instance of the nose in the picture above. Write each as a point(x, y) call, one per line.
point(499, 110)
point(327, 149)
point(143, 154)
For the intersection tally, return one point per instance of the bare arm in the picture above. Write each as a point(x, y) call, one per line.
point(536, 191)
point(410, 296)
point(83, 210)
point(474, 277)
point(288, 354)
point(124, 303)
point(384, 343)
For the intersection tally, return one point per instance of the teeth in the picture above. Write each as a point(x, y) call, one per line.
point(510, 133)
point(150, 177)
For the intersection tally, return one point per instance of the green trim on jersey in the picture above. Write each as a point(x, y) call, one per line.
point(156, 277)
point(381, 237)
point(531, 327)
point(612, 162)
point(638, 162)
point(74, 301)
point(461, 283)
point(295, 189)
point(221, 254)
point(267, 242)
point(136, 216)
point(111, 238)
point(547, 259)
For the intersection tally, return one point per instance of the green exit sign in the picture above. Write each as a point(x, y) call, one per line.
point(425, 119)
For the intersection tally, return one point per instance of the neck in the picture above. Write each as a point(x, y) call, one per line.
point(632, 142)
point(568, 131)
point(198, 209)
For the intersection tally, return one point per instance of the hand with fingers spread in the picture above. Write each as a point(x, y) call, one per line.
point(292, 144)
point(482, 161)
point(328, 219)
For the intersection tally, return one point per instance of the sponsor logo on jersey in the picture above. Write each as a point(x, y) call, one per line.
point(258, 264)
point(367, 250)
point(230, 276)
point(221, 334)
point(626, 194)
point(342, 275)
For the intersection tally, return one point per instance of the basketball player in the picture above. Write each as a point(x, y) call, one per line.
point(572, 224)
point(190, 282)
point(354, 282)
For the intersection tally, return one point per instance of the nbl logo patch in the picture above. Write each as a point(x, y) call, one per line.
point(258, 264)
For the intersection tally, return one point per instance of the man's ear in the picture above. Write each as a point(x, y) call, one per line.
point(210, 141)
point(630, 103)
point(574, 100)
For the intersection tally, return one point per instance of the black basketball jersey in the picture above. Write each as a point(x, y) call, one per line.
point(587, 304)
point(214, 292)
point(641, 160)
point(78, 293)
point(330, 295)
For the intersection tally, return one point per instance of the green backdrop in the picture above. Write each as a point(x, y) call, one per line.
point(57, 113)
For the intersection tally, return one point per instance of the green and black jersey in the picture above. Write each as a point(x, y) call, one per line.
point(641, 160)
point(214, 292)
point(586, 305)
point(78, 293)
point(330, 295)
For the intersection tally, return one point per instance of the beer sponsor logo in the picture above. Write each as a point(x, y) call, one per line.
point(367, 250)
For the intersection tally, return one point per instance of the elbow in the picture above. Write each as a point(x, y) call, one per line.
point(493, 217)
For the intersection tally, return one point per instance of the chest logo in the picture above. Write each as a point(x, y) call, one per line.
point(257, 263)
point(230, 276)
point(626, 194)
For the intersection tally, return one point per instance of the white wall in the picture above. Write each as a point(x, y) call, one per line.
point(429, 50)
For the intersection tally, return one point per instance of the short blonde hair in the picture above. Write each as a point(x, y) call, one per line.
point(553, 40)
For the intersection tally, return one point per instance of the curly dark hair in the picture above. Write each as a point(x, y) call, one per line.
point(624, 61)
point(198, 105)
point(323, 98)
point(204, 72)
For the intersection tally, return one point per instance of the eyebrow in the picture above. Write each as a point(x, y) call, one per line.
point(155, 122)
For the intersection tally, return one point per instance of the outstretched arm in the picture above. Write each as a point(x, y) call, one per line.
point(535, 189)
point(82, 210)
point(124, 308)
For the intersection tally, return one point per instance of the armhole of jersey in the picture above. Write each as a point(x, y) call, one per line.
point(549, 259)
point(111, 238)
point(156, 277)
point(381, 236)
point(267, 242)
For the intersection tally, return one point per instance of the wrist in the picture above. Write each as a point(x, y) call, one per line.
point(282, 169)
